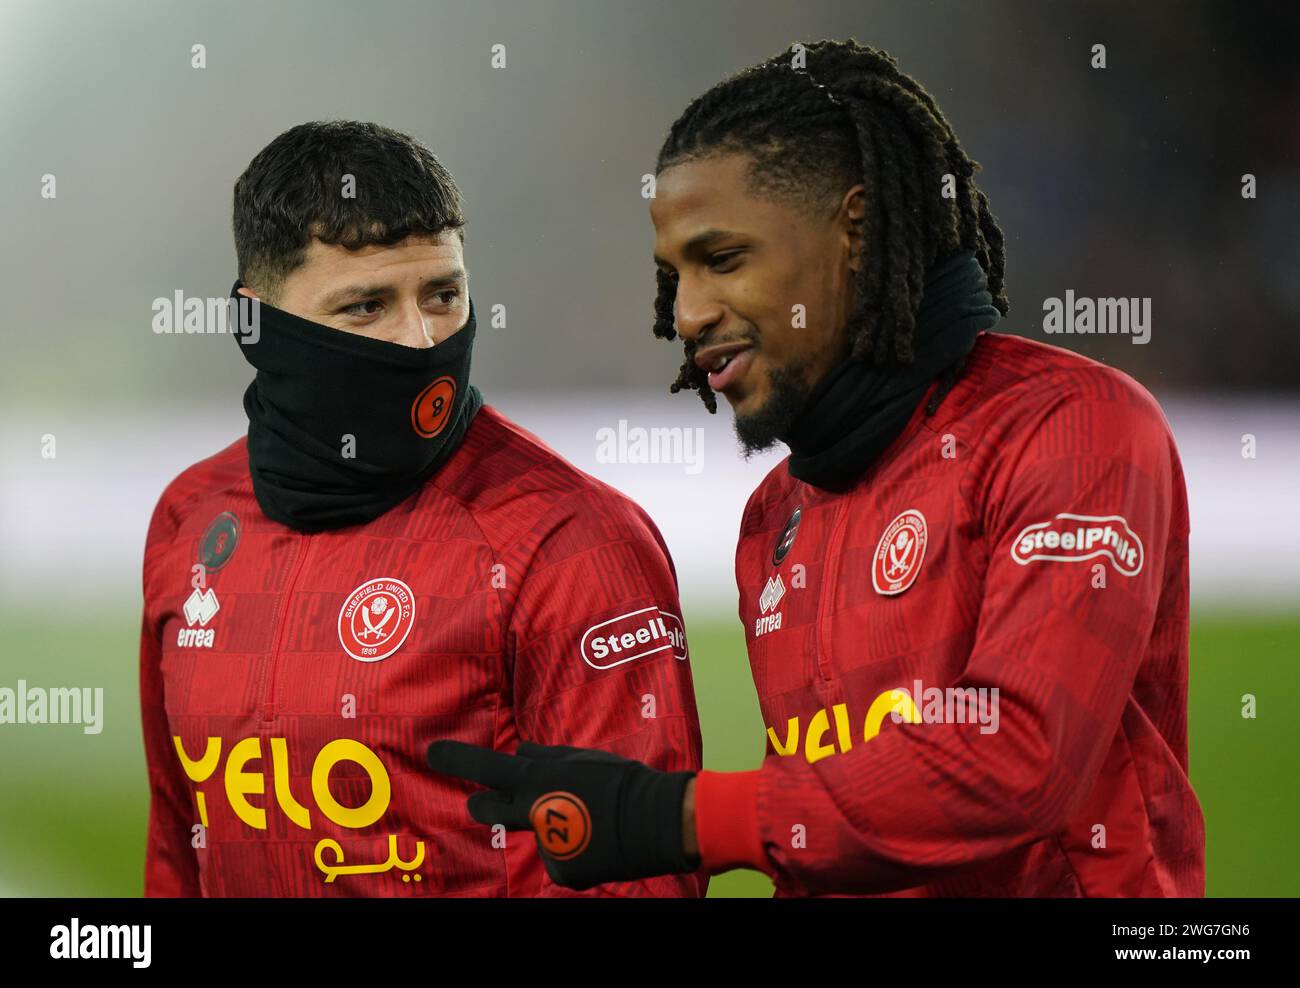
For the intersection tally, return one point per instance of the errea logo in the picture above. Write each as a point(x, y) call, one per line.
point(772, 593)
point(199, 608)
point(1074, 538)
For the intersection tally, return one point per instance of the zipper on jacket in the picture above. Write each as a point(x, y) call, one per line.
point(279, 630)
point(830, 579)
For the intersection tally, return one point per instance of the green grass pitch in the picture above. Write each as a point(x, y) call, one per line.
point(73, 817)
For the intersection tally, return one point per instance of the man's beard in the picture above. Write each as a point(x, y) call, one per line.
point(774, 422)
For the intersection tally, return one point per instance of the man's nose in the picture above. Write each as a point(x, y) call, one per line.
point(693, 312)
point(415, 326)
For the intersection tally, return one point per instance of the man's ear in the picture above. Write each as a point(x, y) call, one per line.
point(852, 211)
point(247, 292)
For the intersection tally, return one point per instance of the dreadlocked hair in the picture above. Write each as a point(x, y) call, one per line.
point(816, 120)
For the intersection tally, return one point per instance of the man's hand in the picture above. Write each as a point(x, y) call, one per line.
point(597, 817)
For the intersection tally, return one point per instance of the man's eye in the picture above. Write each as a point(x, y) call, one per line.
point(725, 261)
point(447, 296)
point(354, 310)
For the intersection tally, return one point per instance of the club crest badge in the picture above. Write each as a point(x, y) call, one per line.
point(376, 618)
point(786, 540)
point(899, 553)
point(219, 541)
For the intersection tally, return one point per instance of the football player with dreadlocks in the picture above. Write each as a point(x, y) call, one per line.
point(964, 592)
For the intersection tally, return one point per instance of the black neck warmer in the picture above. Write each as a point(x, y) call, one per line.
point(342, 427)
point(858, 409)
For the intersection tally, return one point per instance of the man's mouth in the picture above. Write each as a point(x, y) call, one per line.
point(725, 364)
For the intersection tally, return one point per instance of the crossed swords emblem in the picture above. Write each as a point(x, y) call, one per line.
point(379, 607)
point(900, 553)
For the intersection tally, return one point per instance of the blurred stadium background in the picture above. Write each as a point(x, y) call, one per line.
point(1116, 182)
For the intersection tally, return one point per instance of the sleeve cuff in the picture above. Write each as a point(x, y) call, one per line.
point(726, 821)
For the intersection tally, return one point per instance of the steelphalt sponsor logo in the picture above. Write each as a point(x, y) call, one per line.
point(632, 636)
point(1074, 538)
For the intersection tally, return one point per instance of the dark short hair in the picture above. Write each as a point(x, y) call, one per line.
point(293, 190)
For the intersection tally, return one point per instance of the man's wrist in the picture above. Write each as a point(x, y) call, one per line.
point(725, 811)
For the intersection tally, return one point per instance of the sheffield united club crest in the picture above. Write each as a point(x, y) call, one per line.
point(899, 553)
point(376, 618)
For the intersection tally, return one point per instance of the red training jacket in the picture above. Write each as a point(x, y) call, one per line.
point(289, 689)
point(1031, 539)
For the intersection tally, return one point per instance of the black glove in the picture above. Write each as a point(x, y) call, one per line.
point(598, 817)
